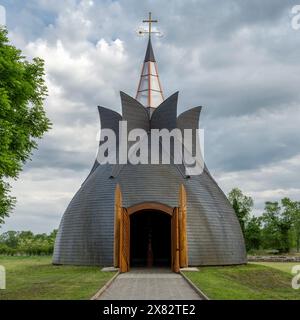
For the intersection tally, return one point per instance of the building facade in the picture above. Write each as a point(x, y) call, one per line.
point(149, 214)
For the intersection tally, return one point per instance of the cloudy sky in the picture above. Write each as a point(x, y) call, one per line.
point(238, 59)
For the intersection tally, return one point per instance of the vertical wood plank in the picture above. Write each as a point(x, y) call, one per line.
point(122, 265)
point(124, 241)
point(117, 219)
point(127, 239)
point(175, 241)
point(182, 227)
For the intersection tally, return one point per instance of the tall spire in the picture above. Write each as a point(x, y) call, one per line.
point(149, 52)
point(149, 92)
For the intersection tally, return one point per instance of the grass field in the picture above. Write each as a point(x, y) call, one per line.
point(248, 282)
point(283, 266)
point(36, 278)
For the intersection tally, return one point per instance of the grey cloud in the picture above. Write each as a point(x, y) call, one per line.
point(239, 59)
point(255, 141)
point(46, 157)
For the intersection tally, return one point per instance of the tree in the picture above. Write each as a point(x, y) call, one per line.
point(277, 224)
point(242, 206)
point(253, 233)
point(10, 238)
point(25, 242)
point(22, 116)
point(296, 225)
point(52, 235)
point(25, 235)
point(7, 202)
point(292, 211)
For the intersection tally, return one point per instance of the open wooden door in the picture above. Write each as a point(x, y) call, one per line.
point(178, 233)
point(121, 234)
point(183, 254)
point(179, 252)
point(175, 240)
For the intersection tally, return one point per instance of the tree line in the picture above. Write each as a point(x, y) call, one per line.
point(27, 243)
point(277, 229)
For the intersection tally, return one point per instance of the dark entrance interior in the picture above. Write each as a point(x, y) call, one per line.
point(150, 239)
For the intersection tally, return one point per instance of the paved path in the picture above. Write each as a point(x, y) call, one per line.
point(153, 284)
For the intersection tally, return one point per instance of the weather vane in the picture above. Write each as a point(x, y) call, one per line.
point(141, 31)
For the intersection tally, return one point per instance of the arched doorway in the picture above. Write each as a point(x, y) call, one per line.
point(150, 218)
point(150, 239)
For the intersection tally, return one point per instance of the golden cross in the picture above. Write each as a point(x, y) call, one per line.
point(149, 21)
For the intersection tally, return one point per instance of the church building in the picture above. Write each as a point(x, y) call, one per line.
point(147, 215)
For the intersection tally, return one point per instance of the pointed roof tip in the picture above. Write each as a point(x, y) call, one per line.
point(149, 53)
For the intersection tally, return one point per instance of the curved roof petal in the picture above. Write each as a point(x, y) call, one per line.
point(189, 119)
point(134, 113)
point(109, 119)
point(165, 115)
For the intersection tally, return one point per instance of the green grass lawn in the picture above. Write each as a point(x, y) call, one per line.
point(247, 282)
point(36, 278)
point(283, 266)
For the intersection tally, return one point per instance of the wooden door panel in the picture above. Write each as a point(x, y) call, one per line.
point(182, 228)
point(175, 241)
point(121, 233)
point(124, 241)
point(117, 221)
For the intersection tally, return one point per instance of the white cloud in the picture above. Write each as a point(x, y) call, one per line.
point(84, 76)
